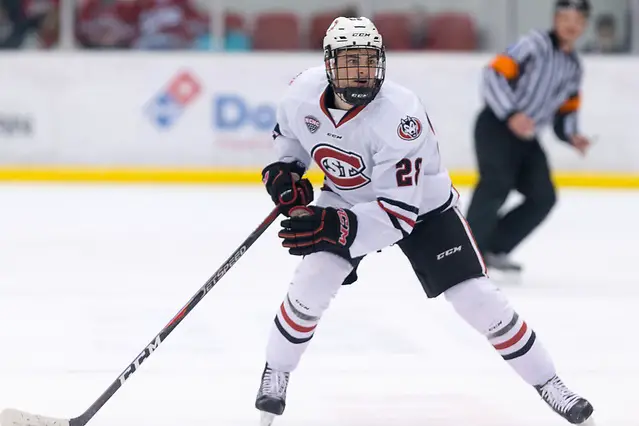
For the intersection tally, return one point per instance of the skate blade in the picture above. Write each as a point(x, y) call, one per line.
point(266, 419)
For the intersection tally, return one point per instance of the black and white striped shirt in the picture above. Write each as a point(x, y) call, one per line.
point(536, 77)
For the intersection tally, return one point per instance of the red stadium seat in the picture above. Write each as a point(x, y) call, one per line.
point(451, 31)
point(276, 31)
point(319, 23)
point(234, 21)
point(395, 30)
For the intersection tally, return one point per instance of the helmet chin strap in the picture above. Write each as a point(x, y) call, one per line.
point(340, 96)
point(353, 96)
point(357, 96)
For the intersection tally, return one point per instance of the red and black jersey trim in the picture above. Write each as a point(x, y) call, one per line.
point(276, 131)
point(439, 209)
point(327, 100)
point(407, 211)
point(397, 225)
point(400, 204)
point(400, 214)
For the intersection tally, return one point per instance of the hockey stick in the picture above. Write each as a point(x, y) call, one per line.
point(13, 417)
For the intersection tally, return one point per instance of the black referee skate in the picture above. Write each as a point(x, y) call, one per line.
point(564, 402)
point(502, 263)
point(271, 398)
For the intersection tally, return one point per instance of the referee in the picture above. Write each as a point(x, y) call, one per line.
point(534, 84)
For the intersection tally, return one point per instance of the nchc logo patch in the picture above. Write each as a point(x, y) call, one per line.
point(410, 128)
point(312, 123)
point(344, 168)
point(170, 103)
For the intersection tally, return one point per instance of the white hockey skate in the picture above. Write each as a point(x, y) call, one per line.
point(564, 402)
point(271, 397)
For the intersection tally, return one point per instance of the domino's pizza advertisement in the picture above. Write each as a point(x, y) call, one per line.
point(140, 111)
point(224, 110)
point(242, 123)
point(231, 117)
point(218, 111)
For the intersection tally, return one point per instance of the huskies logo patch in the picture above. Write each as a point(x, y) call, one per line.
point(312, 123)
point(409, 128)
point(345, 169)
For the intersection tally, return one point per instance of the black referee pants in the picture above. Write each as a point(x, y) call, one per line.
point(507, 163)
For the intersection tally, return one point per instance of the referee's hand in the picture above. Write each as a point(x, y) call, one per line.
point(522, 126)
point(581, 143)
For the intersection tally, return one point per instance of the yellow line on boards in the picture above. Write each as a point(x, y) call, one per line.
point(253, 176)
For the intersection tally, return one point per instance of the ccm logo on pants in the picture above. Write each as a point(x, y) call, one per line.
point(448, 252)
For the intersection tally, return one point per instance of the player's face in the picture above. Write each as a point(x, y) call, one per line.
point(570, 24)
point(356, 67)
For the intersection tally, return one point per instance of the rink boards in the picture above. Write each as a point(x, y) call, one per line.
point(207, 118)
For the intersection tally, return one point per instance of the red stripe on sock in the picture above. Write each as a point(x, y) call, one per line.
point(293, 325)
point(513, 340)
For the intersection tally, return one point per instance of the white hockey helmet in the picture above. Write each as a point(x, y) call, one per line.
point(355, 34)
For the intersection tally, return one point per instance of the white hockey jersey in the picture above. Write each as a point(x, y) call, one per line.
point(382, 159)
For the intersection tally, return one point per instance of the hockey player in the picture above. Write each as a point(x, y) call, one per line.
point(384, 185)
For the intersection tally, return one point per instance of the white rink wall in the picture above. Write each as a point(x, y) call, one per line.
point(106, 109)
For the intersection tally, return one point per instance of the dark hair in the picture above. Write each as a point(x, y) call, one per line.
point(582, 6)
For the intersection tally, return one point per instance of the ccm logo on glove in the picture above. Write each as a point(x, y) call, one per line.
point(343, 221)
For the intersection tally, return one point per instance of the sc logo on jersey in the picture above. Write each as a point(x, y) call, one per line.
point(345, 169)
point(409, 129)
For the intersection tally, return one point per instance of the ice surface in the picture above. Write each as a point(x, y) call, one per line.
point(89, 274)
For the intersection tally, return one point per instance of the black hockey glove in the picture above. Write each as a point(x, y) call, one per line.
point(283, 183)
point(312, 229)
